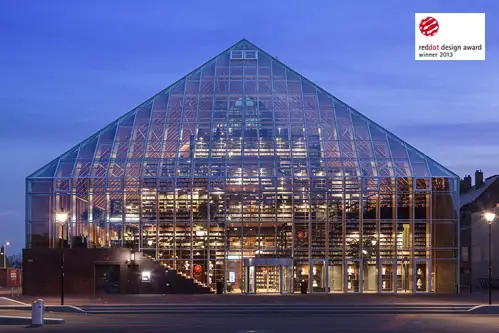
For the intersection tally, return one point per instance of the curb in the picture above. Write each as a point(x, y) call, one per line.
point(485, 309)
point(48, 308)
point(4, 320)
point(171, 308)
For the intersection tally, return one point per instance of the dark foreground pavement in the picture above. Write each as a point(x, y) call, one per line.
point(268, 323)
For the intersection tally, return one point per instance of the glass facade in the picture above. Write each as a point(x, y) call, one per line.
point(245, 158)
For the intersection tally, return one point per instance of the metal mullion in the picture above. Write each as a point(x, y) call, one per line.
point(225, 179)
point(430, 278)
point(242, 143)
point(411, 258)
point(290, 158)
point(158, 177)
point(157, 221)
point(191, 216)
point(305, 137)
point(343, 205)
point(361, 208)
point(378, 235)
point(73, 193)
point(372, 148)
point(196, 123)
point(125, 176)
point(456, 230)
point(108, 203)
point(276, 196)
point(260, 187)
point(90, 188)
point(210, 147)
point(72, 202)
point(394, 221)
point(58, 167)
point(180, 124)
point(161, 159)
point(321, 143)
point(174, 189)
point(52, 212)
point(141, 178)
point(378, 223)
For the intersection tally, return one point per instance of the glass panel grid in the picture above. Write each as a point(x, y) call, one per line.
point(246, 158)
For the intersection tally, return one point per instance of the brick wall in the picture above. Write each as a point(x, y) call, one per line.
point(42, 271)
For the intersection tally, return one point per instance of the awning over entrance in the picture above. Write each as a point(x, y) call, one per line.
point(285, 262)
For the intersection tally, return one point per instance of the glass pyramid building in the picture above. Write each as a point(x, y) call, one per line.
point(247, 172)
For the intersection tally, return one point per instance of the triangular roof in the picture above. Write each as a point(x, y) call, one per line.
point(242, 88)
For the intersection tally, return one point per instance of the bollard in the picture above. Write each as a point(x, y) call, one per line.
point(37, 309)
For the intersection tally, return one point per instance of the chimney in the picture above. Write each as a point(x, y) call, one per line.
point(465, 184)
point(478, 178)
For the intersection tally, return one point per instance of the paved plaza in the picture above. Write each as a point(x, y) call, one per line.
point(479, 297)
point(222, 323)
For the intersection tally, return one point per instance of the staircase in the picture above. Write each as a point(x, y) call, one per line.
point(177, 282)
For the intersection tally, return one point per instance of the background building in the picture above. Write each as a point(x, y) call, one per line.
point(479, 250)
point(474, 201)
point(245, 171)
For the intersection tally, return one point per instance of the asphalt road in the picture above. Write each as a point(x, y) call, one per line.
point(263, 324)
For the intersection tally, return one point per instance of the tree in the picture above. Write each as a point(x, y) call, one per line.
point(15, 260)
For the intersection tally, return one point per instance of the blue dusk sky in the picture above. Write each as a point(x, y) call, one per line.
point(70, 67)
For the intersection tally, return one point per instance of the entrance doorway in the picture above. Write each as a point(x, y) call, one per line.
point(268, 280)
point(107, 279)
point(404, 276)
point(268, 275)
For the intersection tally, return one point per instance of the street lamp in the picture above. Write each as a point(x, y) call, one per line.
point(4, 252)
point(489, 217)
point(61, 217)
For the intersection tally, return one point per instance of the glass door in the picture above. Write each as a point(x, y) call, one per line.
point(286, 280)
point(370, 278)
point(404, 276)
point(335, 276)
point(352, 276)
point(268, 279)
point(422, 274)
point(387, 276)
point(250, 279)
point(319, 276)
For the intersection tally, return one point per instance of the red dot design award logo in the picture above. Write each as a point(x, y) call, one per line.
point(429, 26)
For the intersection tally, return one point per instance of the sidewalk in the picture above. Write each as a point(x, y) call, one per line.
point(475, 298)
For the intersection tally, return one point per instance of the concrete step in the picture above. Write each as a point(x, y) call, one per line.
point(278, 308)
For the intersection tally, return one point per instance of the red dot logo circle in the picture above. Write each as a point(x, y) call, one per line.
point(429, 26)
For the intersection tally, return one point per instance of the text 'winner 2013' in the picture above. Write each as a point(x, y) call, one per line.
point(444, 50)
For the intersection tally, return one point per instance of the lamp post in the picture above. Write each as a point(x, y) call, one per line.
point(489, 217)
point(4, 252)
point(61, 218)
